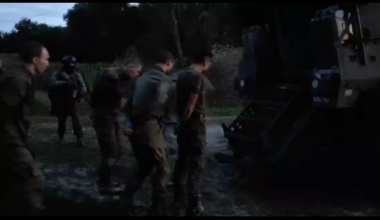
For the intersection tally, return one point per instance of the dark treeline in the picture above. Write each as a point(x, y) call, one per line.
point(98, 32)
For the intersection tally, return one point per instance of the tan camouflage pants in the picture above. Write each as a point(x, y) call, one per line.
point(107, 128)
point(22, 182)
point(189, 165)
point(150, 150)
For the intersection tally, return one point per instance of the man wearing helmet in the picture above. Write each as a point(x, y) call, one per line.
point(66, 90)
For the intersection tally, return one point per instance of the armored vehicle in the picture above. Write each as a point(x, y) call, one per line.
point(311, 74)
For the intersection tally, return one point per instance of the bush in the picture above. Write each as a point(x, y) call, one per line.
point(225, 67)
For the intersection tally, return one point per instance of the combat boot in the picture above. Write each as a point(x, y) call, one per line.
point(194, 206)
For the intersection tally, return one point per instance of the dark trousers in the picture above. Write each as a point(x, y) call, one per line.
point(22, 183)
point(77, 127)
point(107, 130)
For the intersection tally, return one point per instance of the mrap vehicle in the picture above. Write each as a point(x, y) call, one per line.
point(312, 76)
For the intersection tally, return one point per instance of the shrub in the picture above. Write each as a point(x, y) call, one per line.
point(225, 67)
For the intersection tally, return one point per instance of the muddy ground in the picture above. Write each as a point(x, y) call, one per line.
point(71, 175)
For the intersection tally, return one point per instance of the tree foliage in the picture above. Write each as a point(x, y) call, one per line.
point(98, 32)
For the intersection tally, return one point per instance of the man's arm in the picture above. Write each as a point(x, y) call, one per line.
point(197, 89)
point(82, 85)
point(13, 94)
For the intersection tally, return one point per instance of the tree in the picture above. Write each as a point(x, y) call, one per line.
point(176, 33)
point(97, 32)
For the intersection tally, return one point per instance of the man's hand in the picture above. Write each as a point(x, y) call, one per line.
point(127, 131)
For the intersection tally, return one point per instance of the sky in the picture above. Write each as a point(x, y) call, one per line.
point(48, 13)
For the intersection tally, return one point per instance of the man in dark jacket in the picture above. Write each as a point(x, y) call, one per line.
point(22, 181)
point(66, 89)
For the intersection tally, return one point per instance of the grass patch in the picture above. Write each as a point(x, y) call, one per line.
point(219, 112)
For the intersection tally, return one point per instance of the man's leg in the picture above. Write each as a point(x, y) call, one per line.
point(120, 139)
point(170, 138)
point(105, 133)
point(77, 127)
point(61, 126)
point(161, 173)
point(194, 204)
point(21, 190)
point(197, 137)
point(180, 174)
point(145, 160)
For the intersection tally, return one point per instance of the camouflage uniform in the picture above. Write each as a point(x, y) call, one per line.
point(191, 140)
point(106, 103)
point(65, 100)
point(171, 118)
point(22, 181)
point(150, 150)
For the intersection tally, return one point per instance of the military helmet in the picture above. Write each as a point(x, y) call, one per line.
point(69, 60)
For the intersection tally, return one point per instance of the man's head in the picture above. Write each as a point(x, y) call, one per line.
point(164, 59)
point(69, 62)
point(35, 57)
point(203, 59)
point(132, 66)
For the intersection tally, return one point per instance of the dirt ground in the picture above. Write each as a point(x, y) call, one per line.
point(71, 175)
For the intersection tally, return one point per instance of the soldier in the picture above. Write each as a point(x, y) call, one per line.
point(146, 113)
point(106, 101)
point(22, 181)
point(66, 90)
point(191, 132)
